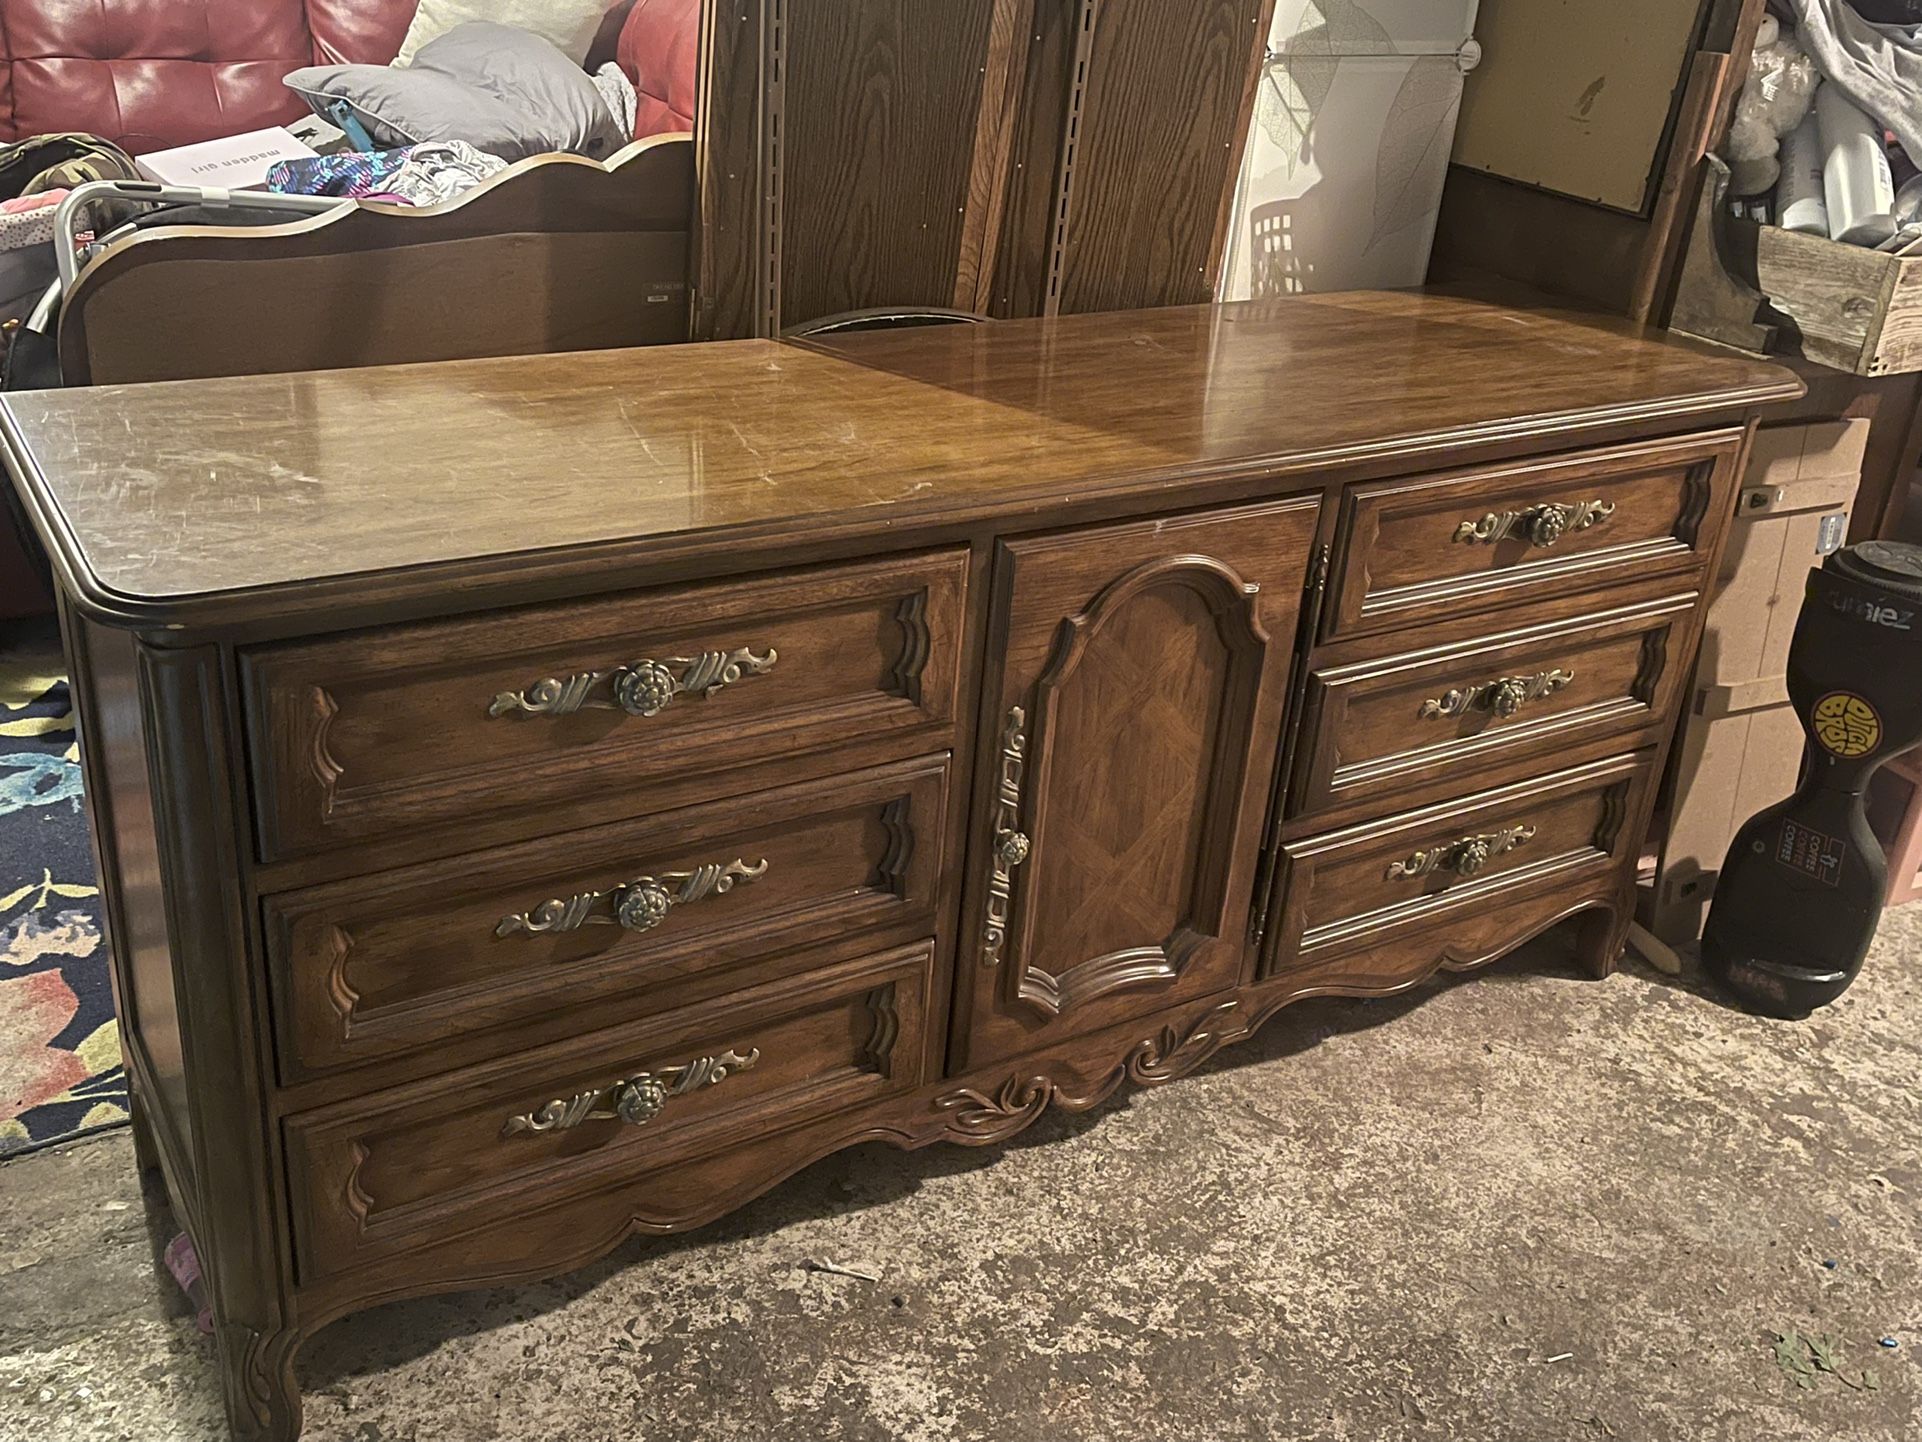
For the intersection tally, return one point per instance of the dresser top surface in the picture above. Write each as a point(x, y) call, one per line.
point(192, 499)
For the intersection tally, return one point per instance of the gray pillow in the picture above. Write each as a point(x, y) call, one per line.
point(501, 89)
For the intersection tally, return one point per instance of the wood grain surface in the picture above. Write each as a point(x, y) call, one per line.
point(880, 222)
point(199, 501)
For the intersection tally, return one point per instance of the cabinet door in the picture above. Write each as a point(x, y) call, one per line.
point(1128, 756)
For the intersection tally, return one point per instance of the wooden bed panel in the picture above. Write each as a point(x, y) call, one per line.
point(553, 254)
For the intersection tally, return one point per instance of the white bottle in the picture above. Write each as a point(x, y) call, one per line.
point(1856, 182)
point(1799, 202)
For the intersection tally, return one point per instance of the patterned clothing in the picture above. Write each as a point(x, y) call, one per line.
point(424, 174)
point(351, 174)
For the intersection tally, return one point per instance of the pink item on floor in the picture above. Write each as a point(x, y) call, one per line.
point(184, 1263)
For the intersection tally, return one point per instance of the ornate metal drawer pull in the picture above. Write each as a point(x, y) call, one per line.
point(640, 905)
point(636, 1100)
point(1011, 845)
point(641, 688)
point(1464, 857)
point(1504, 696)
point(1541, 525)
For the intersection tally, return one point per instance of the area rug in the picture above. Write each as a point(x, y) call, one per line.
point(60, 1071)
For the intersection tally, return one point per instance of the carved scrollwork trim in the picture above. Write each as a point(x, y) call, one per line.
point(974, 1115)
point(257, 1374)
point(897, 821)
point(978, 1116)
point(1541, 525)
point(636, 1100)
point(884, 1013)
point(325, 766)
point(1172, 1053)
point(640, 688)
point(341, 993)
point(917, 644)
point(638, 905)
point(1650, 665)
point(1464, 857)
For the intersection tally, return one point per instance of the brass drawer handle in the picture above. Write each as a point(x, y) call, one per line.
point(639, 905)
point(1505, 695)
point(1541, 525)
point(1011, 844)
point(1464, 857)
point(636, 1100)
point(641, 688)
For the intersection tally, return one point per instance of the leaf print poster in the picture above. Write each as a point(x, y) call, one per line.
point(60, 1070)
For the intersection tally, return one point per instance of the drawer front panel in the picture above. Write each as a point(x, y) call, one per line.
point(1352, 889)
point(405, 963)
point(442, 723)
point(1416, 550)
point(489, 1145)
point(1375, 728)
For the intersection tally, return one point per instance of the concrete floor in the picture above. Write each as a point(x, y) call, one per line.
point(1525, 1206)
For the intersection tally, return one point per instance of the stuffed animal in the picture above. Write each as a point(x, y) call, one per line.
point(1781, 84)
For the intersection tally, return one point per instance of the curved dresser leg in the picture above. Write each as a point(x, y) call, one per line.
point(1601, 936)
point(257, 1376)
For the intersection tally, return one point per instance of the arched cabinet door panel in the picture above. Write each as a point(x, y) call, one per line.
point(1128, 760)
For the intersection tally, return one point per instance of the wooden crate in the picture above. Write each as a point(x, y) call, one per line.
point(1840, 305)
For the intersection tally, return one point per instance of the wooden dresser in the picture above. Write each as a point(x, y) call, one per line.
point(544, 800)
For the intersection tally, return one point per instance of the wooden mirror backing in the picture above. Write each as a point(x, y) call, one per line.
point(1004, 157)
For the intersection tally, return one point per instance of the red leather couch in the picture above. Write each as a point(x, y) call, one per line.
point(151, 74)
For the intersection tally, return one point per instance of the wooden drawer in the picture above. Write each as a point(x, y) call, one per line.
point(1375, 728)
point(1475, 541)
point(448, 722)
point(1354, 890)
point(416, 959)
point(490, 1145)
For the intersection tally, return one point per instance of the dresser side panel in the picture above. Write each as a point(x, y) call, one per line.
point(120, 814)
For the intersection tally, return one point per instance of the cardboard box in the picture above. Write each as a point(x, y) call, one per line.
point(1895, 815)
point(1793, 510)
point(1726, 769)
point(1740, 746)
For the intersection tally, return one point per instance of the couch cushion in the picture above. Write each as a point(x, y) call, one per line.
point(660, 50)
point(357, 32)
point(150, 74)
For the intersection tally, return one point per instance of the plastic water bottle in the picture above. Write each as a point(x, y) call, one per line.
point(1799, 200)
point(1856, 182)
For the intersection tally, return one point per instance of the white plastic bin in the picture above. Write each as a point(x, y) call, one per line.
point(1353, 125)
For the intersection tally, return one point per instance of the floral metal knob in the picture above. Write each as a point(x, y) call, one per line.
point(1547, 525)
point(1471, 856)
point(1012, 847)
point(640, 1101)
point(643, 907)
point(645, 688)
point(1509, 696)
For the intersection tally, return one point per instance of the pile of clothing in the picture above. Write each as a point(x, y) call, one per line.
point(428, 174)
point(1827, 134)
